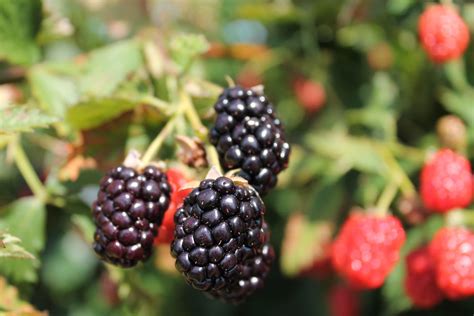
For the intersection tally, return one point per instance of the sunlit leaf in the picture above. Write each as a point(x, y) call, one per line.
point(19, 23)
point(23, 119)
point(25, 219)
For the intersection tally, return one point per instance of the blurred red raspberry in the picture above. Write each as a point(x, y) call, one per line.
point(343, 301)
point(177, 180)
point(367, 248)
point(420, 279)
point(443, 33)
point(446, 182)
point(310, 94)
point(453, 252)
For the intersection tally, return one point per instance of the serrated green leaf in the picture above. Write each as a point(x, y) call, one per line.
point(185, 47)
point(10, 248)
point(460, 104)
point(393, 289)
point(23, 119)
point(53, 91)
point(19, 23)
point(345, 150)
point(24, 218)
point(109, 66)
point(95, 112)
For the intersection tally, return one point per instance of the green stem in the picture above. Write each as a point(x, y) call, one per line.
point(192, 115)
point(161, 105)
point(155, 146)
point(386, 198)
point(28, 172)
point(397, 173)
point(213, 158)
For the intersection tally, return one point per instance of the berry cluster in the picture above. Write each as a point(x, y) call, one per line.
point(248, 135)
point(446, 182)
point(367, 248)
point(443, 33)
point(220, 241)
point(128, 211)
point(453, 255)
point(420, 279)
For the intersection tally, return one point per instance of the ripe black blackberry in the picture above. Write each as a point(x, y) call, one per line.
point(128, 211)
point(218, 228)
point(254, 271)
point(248, 135)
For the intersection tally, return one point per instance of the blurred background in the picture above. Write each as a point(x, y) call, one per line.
point(349, 80)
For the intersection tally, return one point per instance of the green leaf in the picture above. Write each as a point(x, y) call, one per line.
point(109, 66)
point(19, 23)
point(304, 242)
point(23, 119)
point(185, 47)
point(24, 218)
point(393, 290)
point(460, 104)
point(95, 112)
point(354, 152)
point(10, 248)
point(53, 91)
point(360, 36)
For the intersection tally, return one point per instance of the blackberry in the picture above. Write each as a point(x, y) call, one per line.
point(128, 211)
point(254, 270)
point(248, 135)
point(218, 229)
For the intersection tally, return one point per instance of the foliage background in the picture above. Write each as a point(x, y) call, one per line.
point(84, 81)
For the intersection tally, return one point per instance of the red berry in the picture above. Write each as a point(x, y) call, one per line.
point(367, 249)
point(420, 279)
point(176, 179)
point(310, 94)
point(453, 252)
point(443, 33)
point(343, 301)
point(446, 182)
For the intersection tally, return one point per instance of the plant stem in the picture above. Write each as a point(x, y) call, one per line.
point(386, 198)
point(155, 146)
point(28, 172)
point(397, 173)
point(161, 105)
point(213, 158)
point(192, 115)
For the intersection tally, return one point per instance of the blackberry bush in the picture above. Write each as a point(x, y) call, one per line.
point(129, 209)
point(218, 230)
point(248, 135)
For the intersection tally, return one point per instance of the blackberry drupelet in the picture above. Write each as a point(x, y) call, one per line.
point(254, 271)
point(248, 135)
point(128, 211)
point(218, 228)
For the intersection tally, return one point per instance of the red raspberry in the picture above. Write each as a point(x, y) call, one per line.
point(420, 279)
point(343, 301)
point(176, 179)
point(367, 249)
point(453, 252)
point(443, 33)
point(446, 182)
point(310, 94)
